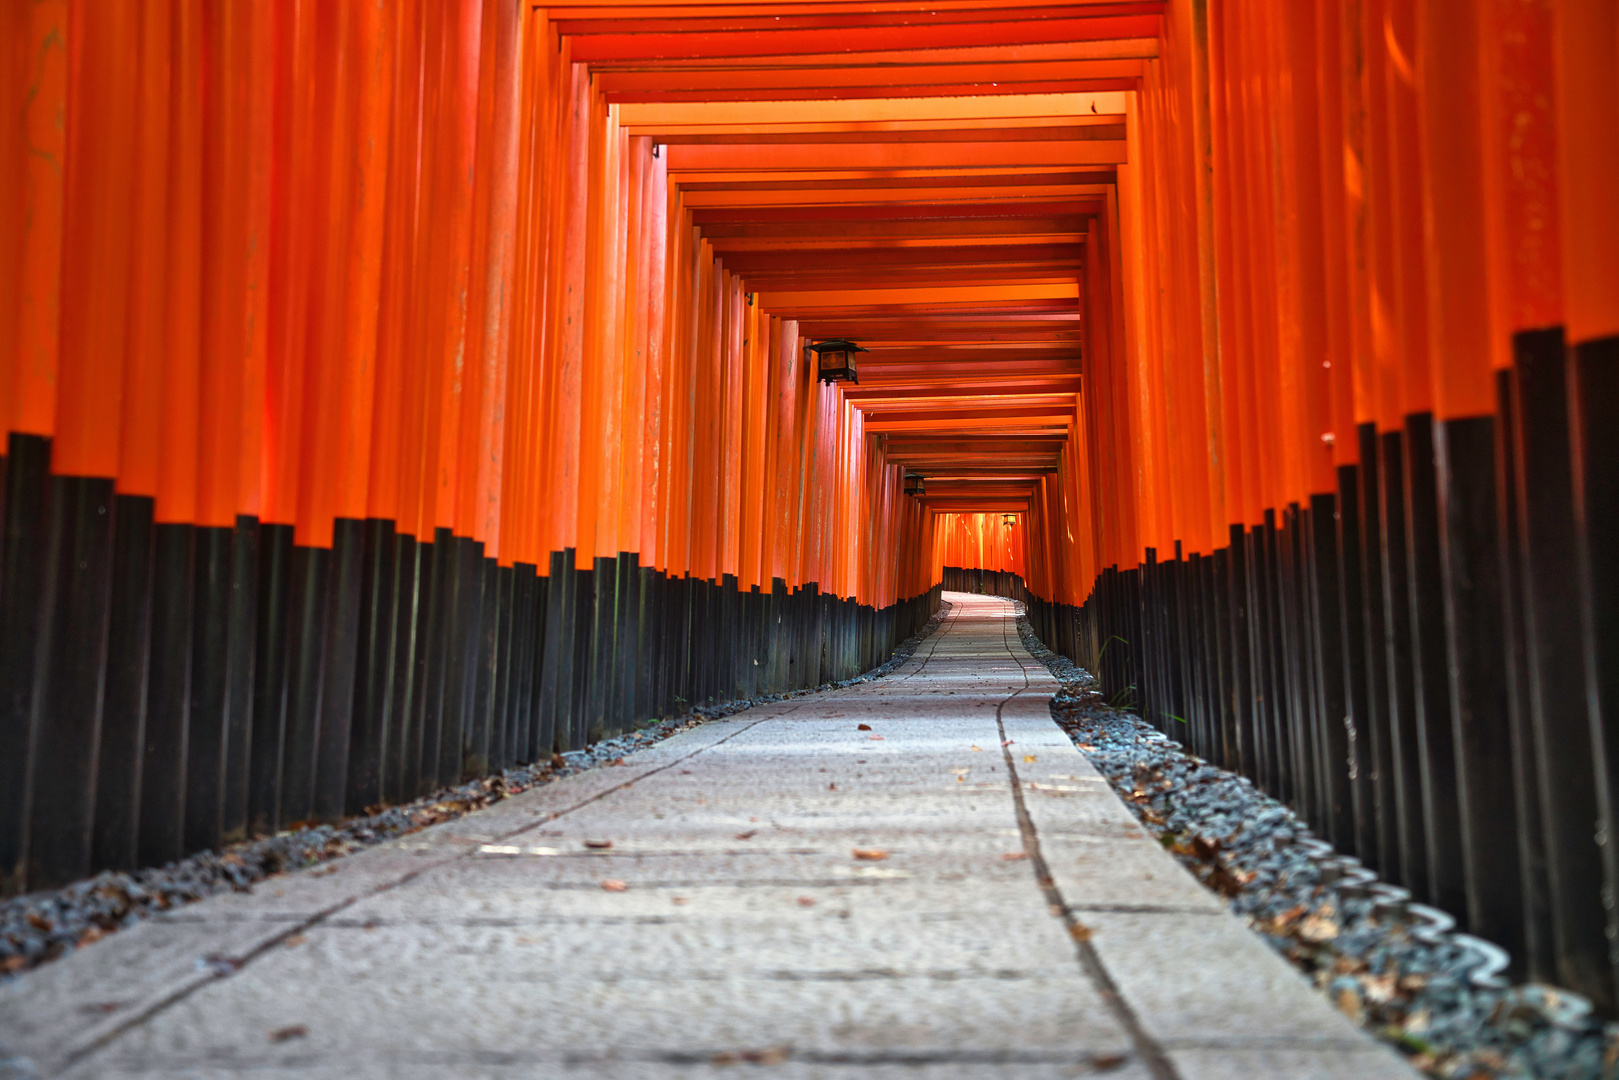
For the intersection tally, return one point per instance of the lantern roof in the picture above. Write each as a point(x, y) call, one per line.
point(837, 345)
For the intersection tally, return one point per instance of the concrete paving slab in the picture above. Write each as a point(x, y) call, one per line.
point(783, 892)
point(725, 1065)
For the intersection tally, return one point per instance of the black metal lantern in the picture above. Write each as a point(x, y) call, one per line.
point(834, 360)
point(914, 484)
point(1008, 520)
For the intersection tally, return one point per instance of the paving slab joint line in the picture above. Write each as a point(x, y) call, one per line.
point(938, 636)
point(1152, 1055)
point(238, 964)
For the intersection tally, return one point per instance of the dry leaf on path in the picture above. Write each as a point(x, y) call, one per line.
point(1014, 856)
point(1028, 758)
point(863, 727)
point(614, 885)
point(870, 854)
point(773, 1055)
point(291, 1031)
point(295, 940)
point(600, 845)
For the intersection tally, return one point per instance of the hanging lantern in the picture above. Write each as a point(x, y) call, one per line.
point(834, 360)
point(914, 484)
point(1008, 520)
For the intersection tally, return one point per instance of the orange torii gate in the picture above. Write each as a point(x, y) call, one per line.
point(395, 392)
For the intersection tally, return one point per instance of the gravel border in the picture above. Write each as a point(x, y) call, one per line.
point(1391, 966)
point(37, 928)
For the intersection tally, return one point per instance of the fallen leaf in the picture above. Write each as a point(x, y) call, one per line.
point(749, 835)
point(1379, 989)
point(871, 854)
point(616, 761)
point(1107, 1062)
point(1027, 758)
point(291, 1031)
point(1289, 917)
point(600, 845)
point(91, 935)
point(557, 761)
point(773, 1055)
point(1014, 856)
point(1223, 881)
point(679, 901)
point(831, 787)
point(295, 940)
point(1317, 929)
point(961, 772)
point(806, 901)
point(976, 749)
point(1349, 1004)
point(1080, 932)
point(614, 885)
point(875, 738)
point(863, 727)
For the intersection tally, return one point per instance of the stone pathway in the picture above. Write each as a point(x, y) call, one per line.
point(952, 893)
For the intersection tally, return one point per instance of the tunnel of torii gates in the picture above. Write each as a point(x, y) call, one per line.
point(397, 391)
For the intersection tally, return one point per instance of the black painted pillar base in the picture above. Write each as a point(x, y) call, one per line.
point(1470, 557)
point(1593, 389)
point(1557, 669)
point(23, 556)
point(123, 714)
point(369, 733)
point(163, 760)
point(66, 695)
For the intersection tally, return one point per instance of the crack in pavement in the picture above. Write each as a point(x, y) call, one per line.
point(1152, 1055)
